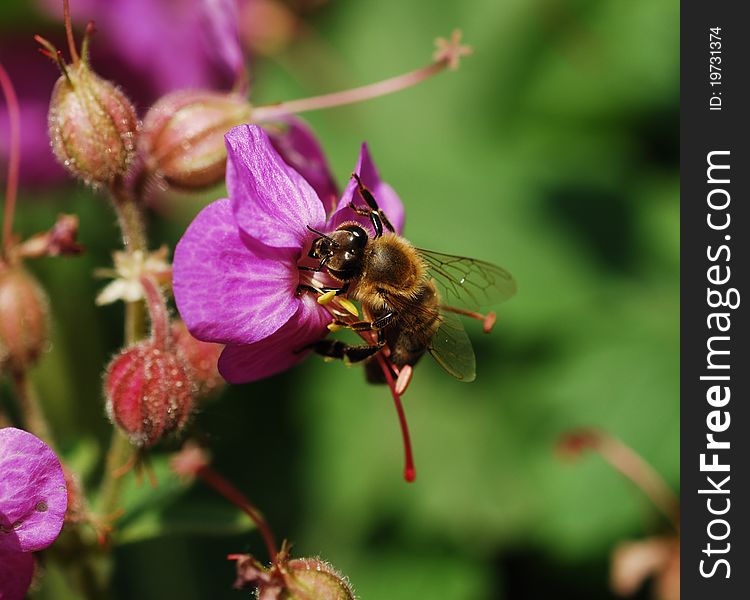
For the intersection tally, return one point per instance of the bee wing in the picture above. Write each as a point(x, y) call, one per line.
point(451, 348)
point(468, 283)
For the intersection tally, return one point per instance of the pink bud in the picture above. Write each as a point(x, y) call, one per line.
point(201, 357)
point(148, 391)
point(183, 136)
point(23, 319)
point(92, 125)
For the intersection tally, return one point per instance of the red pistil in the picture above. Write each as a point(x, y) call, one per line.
point(14, 116)
point(410, 472)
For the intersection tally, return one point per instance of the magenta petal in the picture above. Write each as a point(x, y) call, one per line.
point(278, 352)
point(228, 288)
point(222, 37)
point(299, 148)
point(16, 571)
point(272, 203)
point(33, 496)
point(387, 199)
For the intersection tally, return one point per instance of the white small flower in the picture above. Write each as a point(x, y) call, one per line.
point(129, 267)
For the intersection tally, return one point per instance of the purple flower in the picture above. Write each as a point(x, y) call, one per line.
point(33, 500)
point(236, 269)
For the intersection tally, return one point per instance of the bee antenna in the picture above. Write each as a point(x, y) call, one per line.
point(321, 234)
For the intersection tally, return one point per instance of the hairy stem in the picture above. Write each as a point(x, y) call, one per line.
point(129, 217)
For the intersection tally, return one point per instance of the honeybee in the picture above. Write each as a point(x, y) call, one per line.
point(410, 297)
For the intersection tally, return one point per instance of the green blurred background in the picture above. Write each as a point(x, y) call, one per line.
point(553, 151)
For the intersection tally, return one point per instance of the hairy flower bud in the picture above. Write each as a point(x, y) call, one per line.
point(183, 136)
point(201, 357)
point(23, 319)
point(92, 125)
point(149, 393)
point(315, 578)
point(292, 579)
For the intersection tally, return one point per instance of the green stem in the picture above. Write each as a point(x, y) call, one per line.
point(117, 456)
point(129, 216)
point(135, 322)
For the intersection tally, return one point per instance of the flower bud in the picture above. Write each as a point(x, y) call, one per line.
point(315, 578)
point(291, 579)
point(23, 319)
point(148, 391)
point(201, 357)
point(92, 125)
point(183, 136)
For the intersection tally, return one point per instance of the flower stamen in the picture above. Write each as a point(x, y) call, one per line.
point(348, 306)
point(326, 297)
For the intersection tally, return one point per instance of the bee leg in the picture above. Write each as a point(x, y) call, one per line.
point(375, 325)
point(343, 351)
point(376, 215)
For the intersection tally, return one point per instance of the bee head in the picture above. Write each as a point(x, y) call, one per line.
point(342, 251)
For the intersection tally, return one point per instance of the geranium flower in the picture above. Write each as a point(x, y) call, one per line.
point(236, 269)
point(33, 499)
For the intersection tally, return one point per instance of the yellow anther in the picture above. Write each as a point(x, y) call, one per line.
point(327, 297)
point(349, 306)
point(333, 327)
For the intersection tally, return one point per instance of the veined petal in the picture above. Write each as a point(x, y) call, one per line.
point(297, 145)
point(272, 203)
point(33, 495)
point(228, 288)
point(278, 352)
point(387, 199)
point(16, 570)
